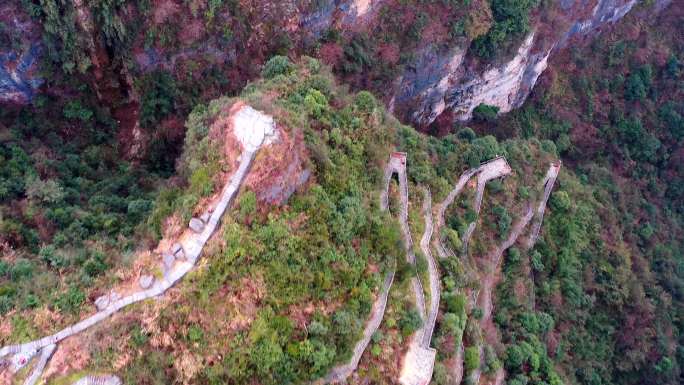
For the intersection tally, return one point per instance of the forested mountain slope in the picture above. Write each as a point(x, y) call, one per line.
point(118, 126)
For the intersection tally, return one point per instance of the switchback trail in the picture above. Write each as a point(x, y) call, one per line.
point(495, 168)
point(549, 181)
point(494, 258)
point(432, 271)
point(443, 251)
point(397, 163)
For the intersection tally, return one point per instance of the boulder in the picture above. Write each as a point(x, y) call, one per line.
point(205, 217)
point(102, 302)
point(196, 225)
point(146, 281)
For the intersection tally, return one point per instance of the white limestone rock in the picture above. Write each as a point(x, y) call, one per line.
point(102, 302)
point(146, 281)
point(196, 225)
point(254, 128)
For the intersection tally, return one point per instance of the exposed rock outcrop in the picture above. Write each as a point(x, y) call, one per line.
point(20, 50)
point(443, 80)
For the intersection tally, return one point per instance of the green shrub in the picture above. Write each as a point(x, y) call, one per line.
point(638, 83)
point(485, 113)
point(513, 256)
point(466, 133)
point(454, 239)
point(365, 102)
point(158, 92)
point(492, 363)
point(471, 358)
point(195, 334)
point(70, 301)
point(560, 200)
point(277, 65)
point(50, 256)
point(315, 103)
point(477, 313)
point(22, 268)
point(138, 337)
point(75, 110)
point(201, 182)
point(409, 322)
point(4, 268)
point(6, 304)
point(536, 260)
point(95, 265)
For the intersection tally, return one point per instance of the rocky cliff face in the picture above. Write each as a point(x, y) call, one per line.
point(445, 81)
point(19, 52)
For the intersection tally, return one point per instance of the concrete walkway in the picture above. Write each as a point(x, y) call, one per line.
point(490, 280)
point(190, 246)
point(443, 251)
point(433, 271)
point(396, 164)
point(192, 243)
point(419, 361)
point(418, 364)
point(495, 168)
point(342, 372)
point(549, 181)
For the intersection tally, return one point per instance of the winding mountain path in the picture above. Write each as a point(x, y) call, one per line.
point(342, 372)
point(495, 168)
point(189, 248)
point(443, 251)
point(549, 181)
point(433, 271)
point(396, 164)
point(491, 279)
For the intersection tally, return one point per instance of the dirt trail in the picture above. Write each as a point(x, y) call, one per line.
point(189, 248)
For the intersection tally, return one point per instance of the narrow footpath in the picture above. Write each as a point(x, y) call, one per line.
point(495, 168)
point(491, 279)
point(176, 263)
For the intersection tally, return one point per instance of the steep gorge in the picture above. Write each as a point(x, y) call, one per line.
point(443, 82)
